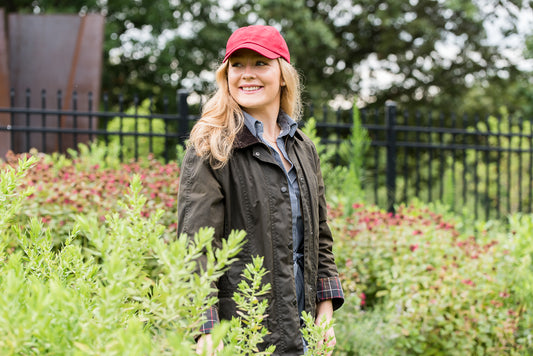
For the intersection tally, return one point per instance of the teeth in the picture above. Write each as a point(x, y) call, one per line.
point(250, 88)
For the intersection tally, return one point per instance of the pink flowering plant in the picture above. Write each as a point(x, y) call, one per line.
point(421, 281)
point(99, 299)
point(425, 283)
point(118, 285)
point(91, 182)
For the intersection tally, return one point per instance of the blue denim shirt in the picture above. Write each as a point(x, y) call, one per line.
point(288, 128)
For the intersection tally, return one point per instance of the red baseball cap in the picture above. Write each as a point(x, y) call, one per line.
point(265, 40)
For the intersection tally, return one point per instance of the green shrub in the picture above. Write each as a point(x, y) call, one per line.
point(125, 290)
point(136, 121)
point(436, 289)
point(91, 182)
point(65, 302)
point(423, 281)
point(517, 240)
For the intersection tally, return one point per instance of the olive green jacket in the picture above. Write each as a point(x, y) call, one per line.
point(251, 193)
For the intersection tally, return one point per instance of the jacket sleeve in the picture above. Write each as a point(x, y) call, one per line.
point(200, 204)
point(328, 282)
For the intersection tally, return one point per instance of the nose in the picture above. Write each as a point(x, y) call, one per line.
point(248, 71)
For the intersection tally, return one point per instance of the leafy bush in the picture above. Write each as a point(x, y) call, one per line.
point(92, 183)
point(64, 302)
point(422, 281)
point(343, 183)
point(125, 291)
point(136, 121)
point(517, 240)
point(435, 288)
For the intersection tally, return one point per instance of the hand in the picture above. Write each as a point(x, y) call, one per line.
point(324, 312)
point(205, 343)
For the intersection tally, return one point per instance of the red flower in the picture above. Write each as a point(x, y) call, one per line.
point(348, 263)
point(170, 203)
point(413, 247)
point(467, 282)
point(363, 298)
point(357, 205)
point(173, 226)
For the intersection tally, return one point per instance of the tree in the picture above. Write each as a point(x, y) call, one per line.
point(417, 52)
point(514, 93)
point(151, 47)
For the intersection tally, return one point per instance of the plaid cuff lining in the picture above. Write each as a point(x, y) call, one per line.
point(211, 317)
point(330, 288)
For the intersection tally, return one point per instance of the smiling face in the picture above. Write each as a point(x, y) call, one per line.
point(255, 83)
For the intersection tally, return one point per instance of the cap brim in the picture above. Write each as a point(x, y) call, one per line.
point(254, 47)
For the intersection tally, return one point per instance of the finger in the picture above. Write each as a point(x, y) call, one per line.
point(199, 347)
point(204, 344)
point(220, 346)
point(331, 341)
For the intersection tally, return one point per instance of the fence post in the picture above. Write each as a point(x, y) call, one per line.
point(183, 110)
point(390, 122)
point(12, 119)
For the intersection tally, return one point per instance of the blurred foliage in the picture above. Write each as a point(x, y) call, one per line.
point(422, 52)
point(349, 176)
point(486, 170)
point(135, 120)
point(90, 182)
point(421, 281)
point(428, 283)
point(115, 286)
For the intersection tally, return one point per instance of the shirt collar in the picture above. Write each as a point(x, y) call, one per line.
point(287, 124)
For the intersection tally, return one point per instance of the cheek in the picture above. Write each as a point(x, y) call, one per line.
point(233, 92)
point(232, 85)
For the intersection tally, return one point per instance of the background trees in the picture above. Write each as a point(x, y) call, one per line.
point(433, 53)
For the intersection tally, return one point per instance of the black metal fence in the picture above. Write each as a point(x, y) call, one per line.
point(48, 127)
point(480, 166)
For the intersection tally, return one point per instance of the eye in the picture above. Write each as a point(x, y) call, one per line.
point(261, 63)
point(236, 64)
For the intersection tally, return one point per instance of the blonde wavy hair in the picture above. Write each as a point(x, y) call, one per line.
point(222, 118)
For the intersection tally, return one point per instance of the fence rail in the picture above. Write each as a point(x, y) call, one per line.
point(482, 166)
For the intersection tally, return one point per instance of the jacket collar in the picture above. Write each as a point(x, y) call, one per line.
point(244, 138)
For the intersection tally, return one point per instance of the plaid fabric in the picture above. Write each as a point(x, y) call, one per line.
point(211, 317)
point(327, 288)
point(330, 288)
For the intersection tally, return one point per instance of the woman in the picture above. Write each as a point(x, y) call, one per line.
point(248, 167)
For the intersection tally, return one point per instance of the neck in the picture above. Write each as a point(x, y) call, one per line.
point(271, 128)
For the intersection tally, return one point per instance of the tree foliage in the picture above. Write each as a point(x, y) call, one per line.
point(413, 52)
